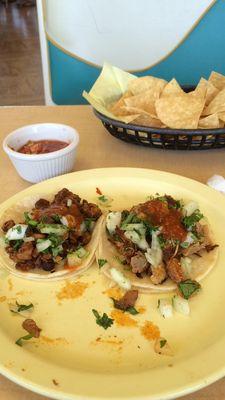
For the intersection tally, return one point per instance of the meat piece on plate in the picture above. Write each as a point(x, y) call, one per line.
point(31, 327)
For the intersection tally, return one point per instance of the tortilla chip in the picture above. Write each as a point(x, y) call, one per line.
point(222, 116)
point(117, 108)
point(144, 83)
point(207, 89)
point(148, 120)
point(171, 89)
point(216, 105)
point(145, 101)
point(181, 111)
point(212, 121)
point(218, 80)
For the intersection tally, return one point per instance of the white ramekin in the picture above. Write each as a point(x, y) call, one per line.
point(38, 167)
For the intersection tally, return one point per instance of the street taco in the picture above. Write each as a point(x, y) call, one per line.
point(50, 237)
point(157, 245)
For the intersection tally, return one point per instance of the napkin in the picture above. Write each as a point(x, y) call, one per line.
point(217, 182)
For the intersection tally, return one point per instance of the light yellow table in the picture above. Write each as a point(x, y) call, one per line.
point(99, 149)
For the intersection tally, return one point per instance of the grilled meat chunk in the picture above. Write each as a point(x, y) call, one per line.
point(158, 274)
point(7, 225)
point(90, 210)
point(64, 195)
point(125, 246)
point(42, 203)
point(25, 251)
point(25, 265)
point(139, 263)
point(174, 270)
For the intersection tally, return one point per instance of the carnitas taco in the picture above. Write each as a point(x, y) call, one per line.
point(47, 238)
point(157, 245)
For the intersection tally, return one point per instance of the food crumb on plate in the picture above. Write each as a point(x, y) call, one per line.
point(55, 382)
point(114, 292)
point(115, 342)
point(10, 284)
point(72, 290)
point(2, 299)
point(123, 319)
point(141, 309)
point(48, 340)
point(150, 331)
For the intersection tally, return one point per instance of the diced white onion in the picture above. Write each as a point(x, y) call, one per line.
point(113, 220)
point(186, 265)
point(28, 239)
point(73, 260)
point(154, 254)
point(69, 202)
point(120, 279)
point(81, 252)
point(165, 308)
point(17, 232)
point(43, 245)
point(190, 239)
point(190, 208)
point(181, 305)
point(64, 221)
point(137, 239)
point(82, 227)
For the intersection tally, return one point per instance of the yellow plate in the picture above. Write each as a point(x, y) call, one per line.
point(67, 362)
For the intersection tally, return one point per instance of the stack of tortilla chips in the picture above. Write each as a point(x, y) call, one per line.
point(154, 102)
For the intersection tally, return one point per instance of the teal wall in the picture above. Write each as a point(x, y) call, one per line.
point(202, 52)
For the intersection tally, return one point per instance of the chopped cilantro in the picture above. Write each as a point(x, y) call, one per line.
point(29, 220)
point(190, 221)
point(188, 288)
point(162, 198)
point(56, 218)
point(22, 307)
point(104, 321)
point(19, 341)
point(57, 250)
point(162, 241)
point(184, 245)
point(123, 262)
point(132, 310)
point(162, 342)
point(17, 244)
point(18, 229)
point(103, 198)
point(89, 223)
point(101, 262)
point(56, 240)
point(6, 240)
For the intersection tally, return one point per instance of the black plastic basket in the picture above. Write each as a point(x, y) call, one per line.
point(165, 138)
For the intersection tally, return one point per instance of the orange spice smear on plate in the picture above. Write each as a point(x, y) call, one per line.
point(72, 290)
point(123, 319)
point(150, 331)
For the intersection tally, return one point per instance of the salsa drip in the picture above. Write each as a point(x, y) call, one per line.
point(42, 146)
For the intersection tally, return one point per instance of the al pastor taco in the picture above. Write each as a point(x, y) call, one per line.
point(157, 245)
point(47, 238)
